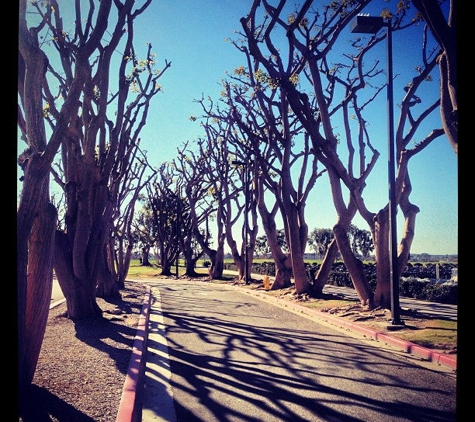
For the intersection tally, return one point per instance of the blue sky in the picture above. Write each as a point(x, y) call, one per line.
point(192, 35)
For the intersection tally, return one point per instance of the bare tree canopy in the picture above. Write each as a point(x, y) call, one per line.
point(84, 94)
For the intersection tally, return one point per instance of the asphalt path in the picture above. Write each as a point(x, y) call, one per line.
point(430, 308)
point(216, 354)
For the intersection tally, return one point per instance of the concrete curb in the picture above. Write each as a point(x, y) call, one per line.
point(57, 303)
point(130, 406)
point(423, 353)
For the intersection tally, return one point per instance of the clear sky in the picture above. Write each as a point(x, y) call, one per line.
point(192, 34)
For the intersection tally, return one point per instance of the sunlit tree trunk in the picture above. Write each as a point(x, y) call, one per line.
point(282, 261)
point(382, 294)
point(354, 266)
point(297, 239)
point(325, 268)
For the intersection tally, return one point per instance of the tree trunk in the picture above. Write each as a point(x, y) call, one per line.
point(165, 259)
point(146, 256)
point(123, 263)
point(33, 208)
point(323, 273)
point(39, 289)
point(190, 267)
point(302, 283)
point(107, 286)
point(283, 263)
point(354, 266)
point(283, 273)
point(382, 294)
point(238, 257)
point(216, 268)
point(189, 257)
point(79, 292)
point(167, 268)
point(297, 237)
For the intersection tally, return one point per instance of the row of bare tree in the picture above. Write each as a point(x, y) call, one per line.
point(84, 95)
point(277, 116)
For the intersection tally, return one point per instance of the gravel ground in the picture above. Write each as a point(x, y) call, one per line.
point(82, 365)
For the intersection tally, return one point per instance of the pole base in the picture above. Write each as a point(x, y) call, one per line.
point(396, 325)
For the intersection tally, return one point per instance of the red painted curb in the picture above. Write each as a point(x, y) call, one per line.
point(445, 360)
point(403, 345)
point(422, 352)
point(441, 359)
point(367, 332)
point(130, 409)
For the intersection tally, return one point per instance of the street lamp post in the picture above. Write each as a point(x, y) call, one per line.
point(371, 25)
point(246, 221)
point(178, 212)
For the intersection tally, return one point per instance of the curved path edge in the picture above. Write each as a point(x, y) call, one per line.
point(423, 353)
point(130, 406)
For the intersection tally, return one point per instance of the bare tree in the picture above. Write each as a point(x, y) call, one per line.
point(444, 30)
point(98, 150)
point(334, 90)
point(191, 167)
point(285, 169)
point(123, 238)
point(189, 246)
point(95, 150)
point(163, 206)
point(235, 195)
point(142, 231)
point(35, 213)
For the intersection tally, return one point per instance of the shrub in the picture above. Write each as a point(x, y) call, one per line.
point(418, 281)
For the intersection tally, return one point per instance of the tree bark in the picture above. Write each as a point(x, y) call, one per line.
point(323, 272)
point(382, 293)
point(282, 261)
point(216, 268)
point(80, 293)
point(354, 266)
point(145, 256)
point(34, 265)
point(107, 283)
point(39, 289)
point(283, 273)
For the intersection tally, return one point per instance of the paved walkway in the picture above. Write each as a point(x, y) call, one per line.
point(158, 400)
point(148, 380)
